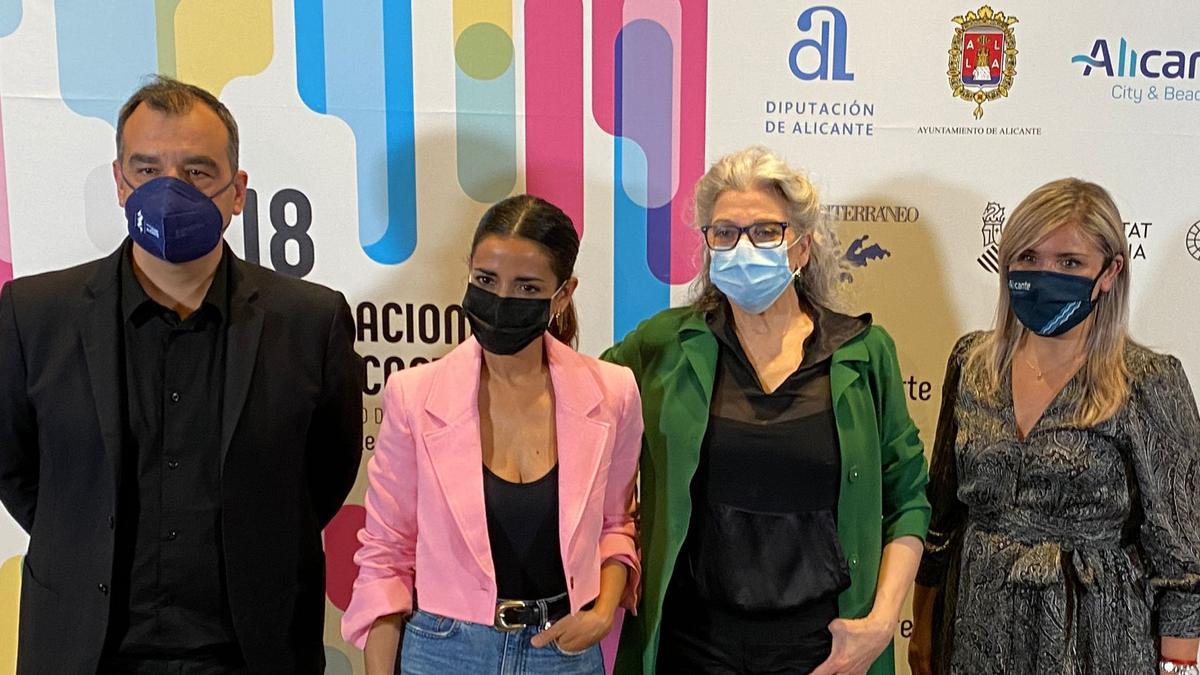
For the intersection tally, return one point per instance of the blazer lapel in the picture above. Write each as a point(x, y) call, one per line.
point(241, 351)
point(102, 347)
point(455, 450)
point(843, 369)
point(581, 439)
point(690, 398)
point(700, 347)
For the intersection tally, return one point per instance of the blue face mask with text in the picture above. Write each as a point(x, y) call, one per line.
point(173, 220)
point(1051, 303)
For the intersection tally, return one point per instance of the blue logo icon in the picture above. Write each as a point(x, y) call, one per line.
point(1171, 64)
point(832, 54)
point(860, 253)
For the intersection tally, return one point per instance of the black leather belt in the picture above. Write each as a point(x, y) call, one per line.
point(516, 614)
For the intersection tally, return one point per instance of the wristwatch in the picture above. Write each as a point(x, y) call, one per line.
point(1178, 668)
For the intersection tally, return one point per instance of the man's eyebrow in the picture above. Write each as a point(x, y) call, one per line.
point(202, 160)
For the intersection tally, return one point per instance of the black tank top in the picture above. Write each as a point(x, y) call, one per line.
point(522, 523)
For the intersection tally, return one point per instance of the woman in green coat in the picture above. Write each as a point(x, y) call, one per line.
point(782, 480)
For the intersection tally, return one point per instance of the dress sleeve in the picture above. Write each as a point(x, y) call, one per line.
point(1165, 437)
point(949, 514)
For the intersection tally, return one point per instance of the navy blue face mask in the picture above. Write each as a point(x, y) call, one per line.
point(173, 220)
point(1051, 303)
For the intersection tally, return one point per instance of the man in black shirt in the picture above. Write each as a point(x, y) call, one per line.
point(176, 426)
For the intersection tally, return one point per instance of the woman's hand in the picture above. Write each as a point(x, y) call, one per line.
point(856, 645)
point(576, 632)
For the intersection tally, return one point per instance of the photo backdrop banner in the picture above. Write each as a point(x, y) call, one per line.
point(376, 132)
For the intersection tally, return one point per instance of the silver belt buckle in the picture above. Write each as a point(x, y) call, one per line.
point(500, 623)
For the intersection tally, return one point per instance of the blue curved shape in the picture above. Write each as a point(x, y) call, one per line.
point(400, 239)
point(104, 50)
point(1084, 58)
point(10, 16)
point(638, 292)
point(643, 117)
point(354, 62)
point(310, 54)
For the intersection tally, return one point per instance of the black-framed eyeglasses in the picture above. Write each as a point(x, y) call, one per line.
point(725, 237)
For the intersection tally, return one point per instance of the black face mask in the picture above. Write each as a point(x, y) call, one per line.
point(505, 325)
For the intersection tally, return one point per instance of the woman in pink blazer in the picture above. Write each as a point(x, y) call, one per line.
point(501, 532)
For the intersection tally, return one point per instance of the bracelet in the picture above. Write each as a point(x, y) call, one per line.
point(1178, 667)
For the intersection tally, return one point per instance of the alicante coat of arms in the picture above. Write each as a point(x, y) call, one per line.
point(983, 56)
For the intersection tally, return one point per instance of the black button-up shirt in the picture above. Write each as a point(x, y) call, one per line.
point(169, 594)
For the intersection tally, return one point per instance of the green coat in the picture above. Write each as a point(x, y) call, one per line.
point(882, 497)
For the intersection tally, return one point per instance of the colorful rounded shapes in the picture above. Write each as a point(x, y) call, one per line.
point(483, 51)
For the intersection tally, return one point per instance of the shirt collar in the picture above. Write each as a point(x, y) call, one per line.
point(831, 329)
point(135, 302)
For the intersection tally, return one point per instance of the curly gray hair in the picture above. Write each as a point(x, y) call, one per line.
point(756, 167)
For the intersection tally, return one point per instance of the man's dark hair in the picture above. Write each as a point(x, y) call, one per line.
point(168, 95)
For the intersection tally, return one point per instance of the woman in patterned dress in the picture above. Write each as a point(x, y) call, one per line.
point(1066, 470)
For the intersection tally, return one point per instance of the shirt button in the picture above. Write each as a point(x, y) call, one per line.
point(174, 397)
point(853, 474)
point(171, 535)
point(853, 561)
point(172, 465)
point(103, 588)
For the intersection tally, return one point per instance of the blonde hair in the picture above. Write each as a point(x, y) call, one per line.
point(757, 168)
point(1104, 374)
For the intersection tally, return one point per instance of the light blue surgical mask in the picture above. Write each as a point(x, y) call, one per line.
point(752, 278)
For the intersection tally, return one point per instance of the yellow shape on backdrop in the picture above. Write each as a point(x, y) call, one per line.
point(470, 12)
point(164, 24)
point(218, 40)
point(10, 605)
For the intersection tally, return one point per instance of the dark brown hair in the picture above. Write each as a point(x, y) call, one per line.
point(543, 223)
point(168, 95)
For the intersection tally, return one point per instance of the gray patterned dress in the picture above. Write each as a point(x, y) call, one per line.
point(1070, 551)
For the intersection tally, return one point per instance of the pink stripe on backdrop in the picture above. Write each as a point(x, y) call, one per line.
point(606, 24)
point(665, 13)
point(6, 268)
point(554, 104)
point(693, 87)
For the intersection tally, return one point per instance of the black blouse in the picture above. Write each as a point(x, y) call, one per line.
point(763, 532)
point(522, 523)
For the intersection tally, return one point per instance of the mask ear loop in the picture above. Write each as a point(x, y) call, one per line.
point(1108, 260)
point(557, 317)
point(799, 270)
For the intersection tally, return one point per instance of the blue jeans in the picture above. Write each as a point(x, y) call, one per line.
point(437, 645)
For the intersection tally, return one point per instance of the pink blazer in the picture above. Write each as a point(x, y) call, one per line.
point(426, 527)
